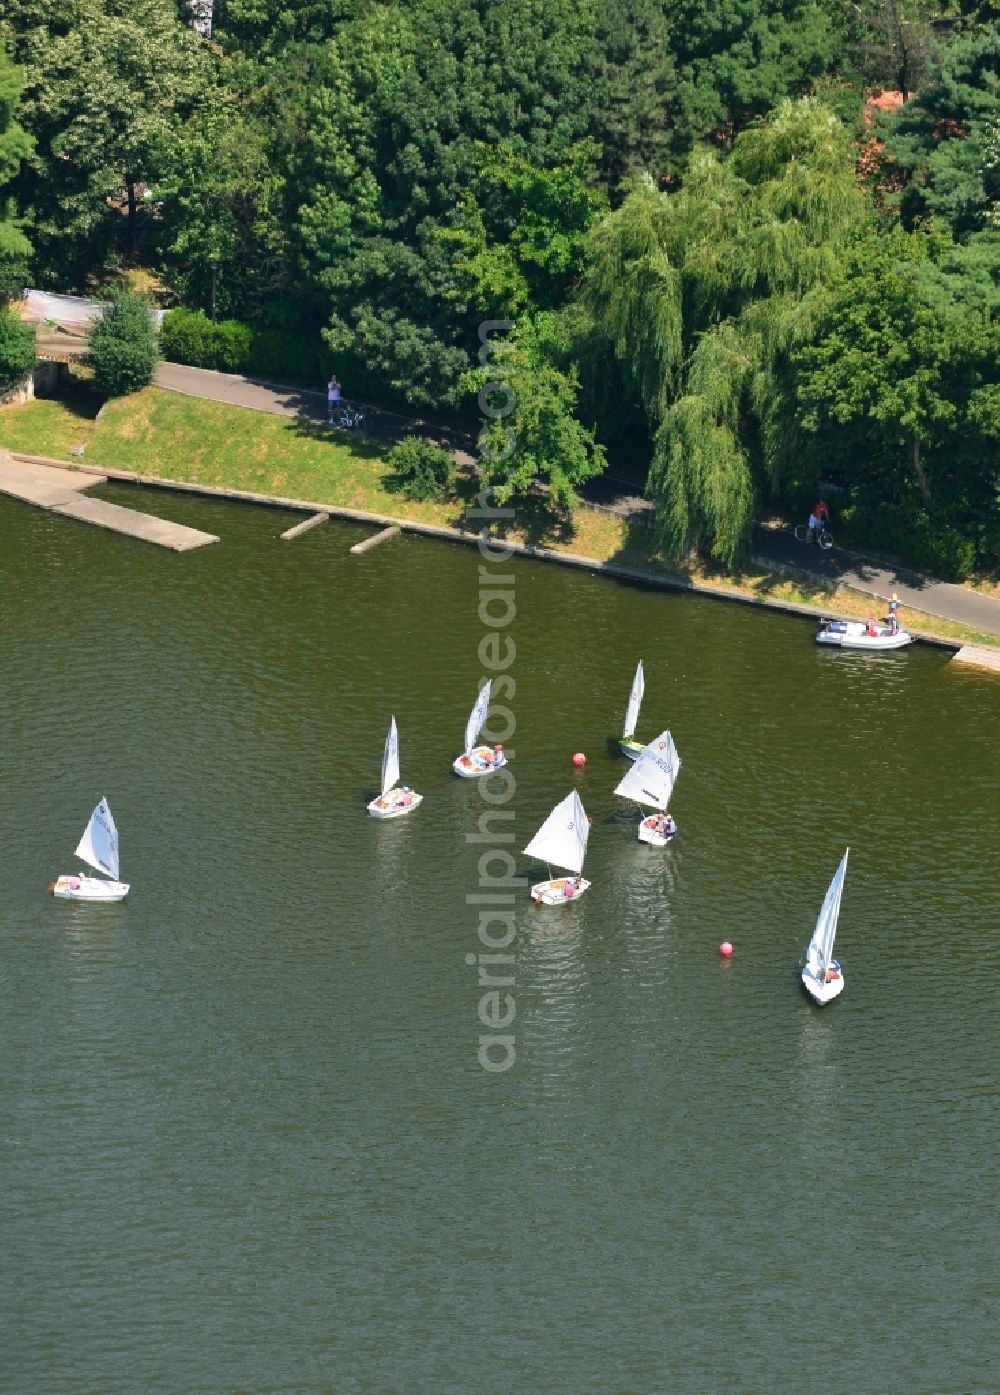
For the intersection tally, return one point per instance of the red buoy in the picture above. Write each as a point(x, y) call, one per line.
point(579, 760)
point(725, 949)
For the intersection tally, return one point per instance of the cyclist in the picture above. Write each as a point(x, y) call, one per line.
point(818, 520)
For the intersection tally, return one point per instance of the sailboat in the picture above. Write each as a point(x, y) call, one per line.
point(628, 746)
point(99, 849)
point(561, 842)
point(650, 782)
point(393, 802)
point(822, 976)
point(478, 760)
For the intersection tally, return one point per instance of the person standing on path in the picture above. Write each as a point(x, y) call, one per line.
point(332, 399)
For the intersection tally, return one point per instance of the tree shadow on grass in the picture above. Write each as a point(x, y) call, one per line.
point(317, 431)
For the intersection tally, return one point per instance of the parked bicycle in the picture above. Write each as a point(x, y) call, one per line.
point(346, 417)
point(823, 535)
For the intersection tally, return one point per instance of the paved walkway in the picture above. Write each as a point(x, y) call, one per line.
point(621, 497)
point(388, 428)
point(958, 603)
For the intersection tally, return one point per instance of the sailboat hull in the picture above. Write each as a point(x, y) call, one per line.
point(630, 748)
point(394, 804)
point(482, 761)
point(556, 891)
point(648, 833)
point(82, 888)
point(853, 634)
point(823, 992)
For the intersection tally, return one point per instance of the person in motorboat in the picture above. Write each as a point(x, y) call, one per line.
point(872, 628)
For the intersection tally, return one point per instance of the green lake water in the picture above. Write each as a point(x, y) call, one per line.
point(246, 1147)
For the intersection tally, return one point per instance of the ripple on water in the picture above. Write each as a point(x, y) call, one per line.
point(247, 1144)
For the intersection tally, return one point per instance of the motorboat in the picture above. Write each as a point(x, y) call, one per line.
point(855, 634)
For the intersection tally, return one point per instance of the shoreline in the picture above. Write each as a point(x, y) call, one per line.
point(617, 570)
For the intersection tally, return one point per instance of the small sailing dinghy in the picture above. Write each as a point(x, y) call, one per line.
point(822, 976)
point(99, 849)
point(561, 842)
point(650, 782)
point(394, 801)
point(628, 745)
point(478, 760)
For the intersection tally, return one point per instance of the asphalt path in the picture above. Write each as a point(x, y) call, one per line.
point(959, 603)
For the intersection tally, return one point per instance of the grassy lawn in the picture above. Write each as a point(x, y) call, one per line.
point(48, 427)
point(187, 439)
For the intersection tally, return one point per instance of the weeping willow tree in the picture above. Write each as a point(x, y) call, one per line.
point(703, 295)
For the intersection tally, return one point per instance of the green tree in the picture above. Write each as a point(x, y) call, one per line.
point(704, 294)
point(17, 348)
point(380, 154)
point(911, 378)
point(222, 245)
point(123, 349)
point(534, 436)
point(519, 235)
point(893, 42)
point(739, 59)
point(104, 85)
point(635, 91)
point(15, 147)
point(261, 28)
point(945, 141)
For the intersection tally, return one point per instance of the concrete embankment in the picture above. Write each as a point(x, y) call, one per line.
point(52, 486)
point(978, 656)
point(386, 522)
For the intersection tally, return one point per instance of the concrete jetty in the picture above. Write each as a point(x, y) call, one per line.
point(374, 540)
point(978, 656)
point(304, 526)
point(60, 491)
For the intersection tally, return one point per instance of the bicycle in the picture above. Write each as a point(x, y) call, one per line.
point(346, 418)
point(823, 535)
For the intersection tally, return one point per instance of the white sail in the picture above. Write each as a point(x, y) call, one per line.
point(650, 780)
point(562, 838)
point(99, 844)
point(634, 703)
point(390, 759)
point(820, 951)
point(477, 717)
